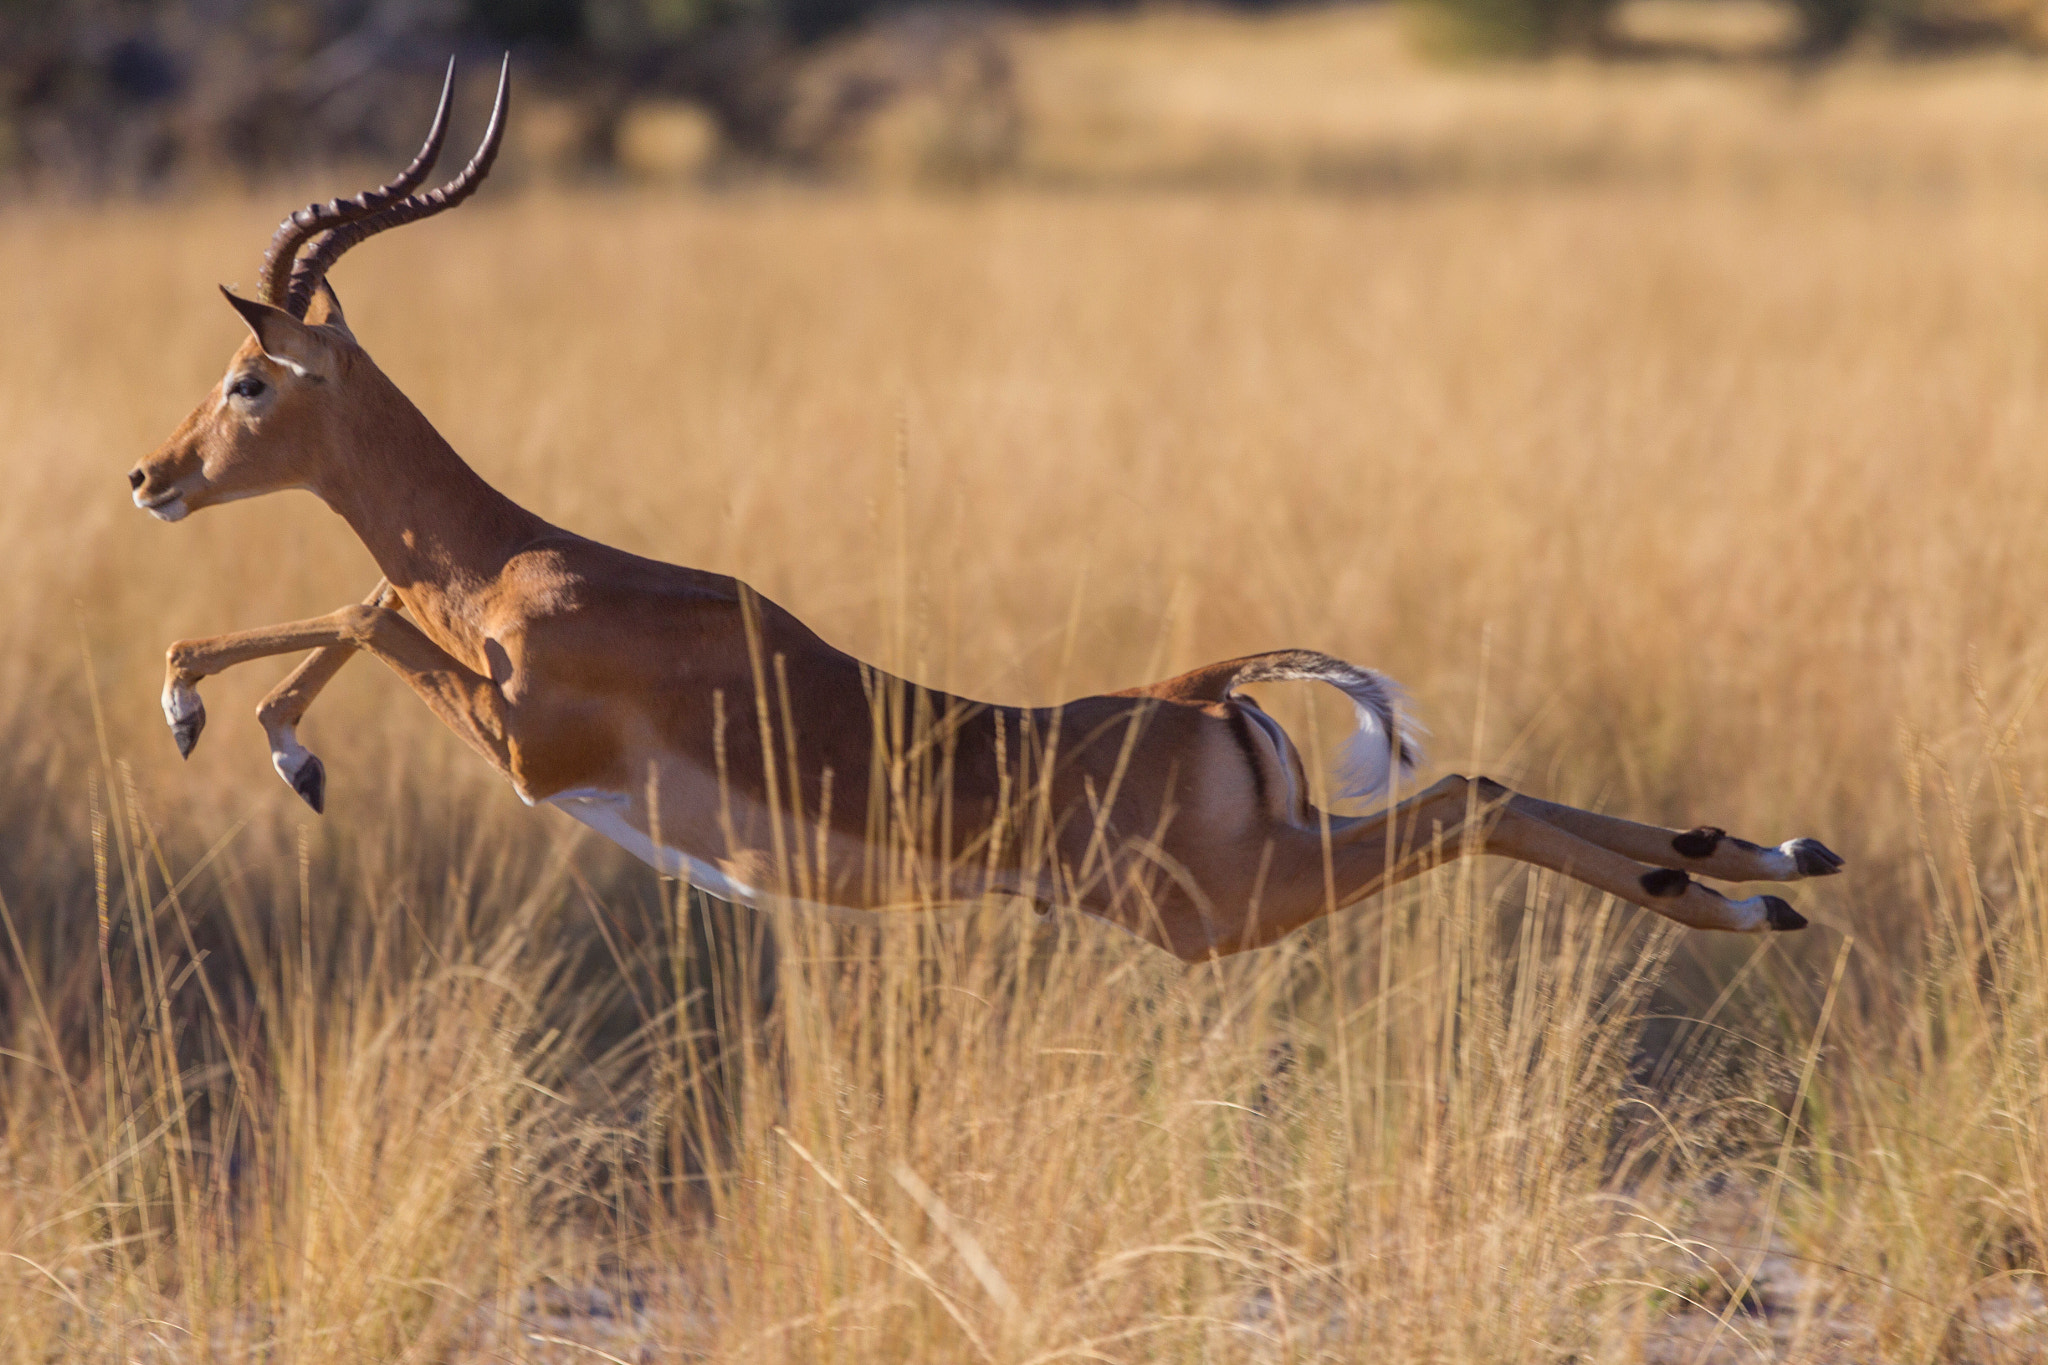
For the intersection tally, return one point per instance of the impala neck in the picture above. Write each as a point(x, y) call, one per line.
point(435, 528)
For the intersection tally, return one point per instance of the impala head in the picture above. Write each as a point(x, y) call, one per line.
point(273, 420)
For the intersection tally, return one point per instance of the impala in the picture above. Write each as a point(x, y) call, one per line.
point(712, 734)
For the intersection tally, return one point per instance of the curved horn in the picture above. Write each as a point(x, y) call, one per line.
point(313, 266)
point(313, 219)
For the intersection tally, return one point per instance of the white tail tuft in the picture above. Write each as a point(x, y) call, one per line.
point(1387, 742)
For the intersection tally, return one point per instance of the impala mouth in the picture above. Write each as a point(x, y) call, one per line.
point(168, 506)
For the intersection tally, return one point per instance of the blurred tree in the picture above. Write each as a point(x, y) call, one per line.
point(128, 91)
point(125, 91)
point(1828, 26)
point(1518, 28)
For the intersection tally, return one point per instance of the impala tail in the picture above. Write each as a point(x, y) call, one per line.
point(1387, 743)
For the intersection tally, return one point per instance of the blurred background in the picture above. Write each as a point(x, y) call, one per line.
point(111, 95)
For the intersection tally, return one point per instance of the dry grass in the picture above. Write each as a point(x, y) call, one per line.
point(1693, 494)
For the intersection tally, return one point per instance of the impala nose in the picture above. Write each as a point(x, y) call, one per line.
point(135, 477)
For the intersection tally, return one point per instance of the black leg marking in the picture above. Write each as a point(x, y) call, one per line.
point(1781, 916)
point(1666, 882)
point(1698, 843)
point(1814, 858)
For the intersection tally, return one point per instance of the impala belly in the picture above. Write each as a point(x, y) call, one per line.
point(607, 812)
point(614, 815)
point(610, 813)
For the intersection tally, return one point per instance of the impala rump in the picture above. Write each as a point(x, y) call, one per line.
point(1385, 747)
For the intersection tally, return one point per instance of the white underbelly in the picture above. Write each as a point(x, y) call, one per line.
point(607, 812)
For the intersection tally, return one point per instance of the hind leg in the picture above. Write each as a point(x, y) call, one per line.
point(1455, 818)
point(1460, 816)
point(1704, 852)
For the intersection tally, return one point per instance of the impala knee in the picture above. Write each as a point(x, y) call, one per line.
point(358, 624)
point(276, 713)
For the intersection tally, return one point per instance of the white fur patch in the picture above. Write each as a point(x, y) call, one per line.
point(1755, 915)
point(287, 755)
point(1387, 729)
point(1782, 861)
point(170, 509)
point(180, 702)
point(294, 366)
point(605, 811)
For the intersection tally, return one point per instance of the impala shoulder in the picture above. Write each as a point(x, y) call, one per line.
point(566, 568)
point(539, 563)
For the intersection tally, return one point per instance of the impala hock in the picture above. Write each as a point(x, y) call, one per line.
point(714, 735)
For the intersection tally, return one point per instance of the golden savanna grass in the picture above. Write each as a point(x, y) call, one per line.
point(1694, 474)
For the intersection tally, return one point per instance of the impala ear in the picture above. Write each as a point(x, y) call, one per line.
point(325, 311)
point(284, 338)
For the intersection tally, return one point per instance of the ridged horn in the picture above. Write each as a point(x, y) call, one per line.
point(312, 266)
point(304, 224)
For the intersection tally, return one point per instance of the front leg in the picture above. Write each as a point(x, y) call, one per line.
point(187, 661)
point(281, 712)
point(467, 701)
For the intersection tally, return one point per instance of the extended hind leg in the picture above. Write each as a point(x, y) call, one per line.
point(1461, 815)
point(1457, 817)
point(1704, 852)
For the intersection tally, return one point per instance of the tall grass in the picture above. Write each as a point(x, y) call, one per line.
point(1693, 496)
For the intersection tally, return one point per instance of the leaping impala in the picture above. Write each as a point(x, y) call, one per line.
point(711, 733)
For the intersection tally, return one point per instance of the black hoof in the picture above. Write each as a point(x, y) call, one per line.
point(1698, 843)
point(1781, 916)
point(1815, 859)
point(1666, 882)
point(311, 785)
point(186, 733)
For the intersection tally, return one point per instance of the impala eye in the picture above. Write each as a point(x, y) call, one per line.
point(248, 386)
